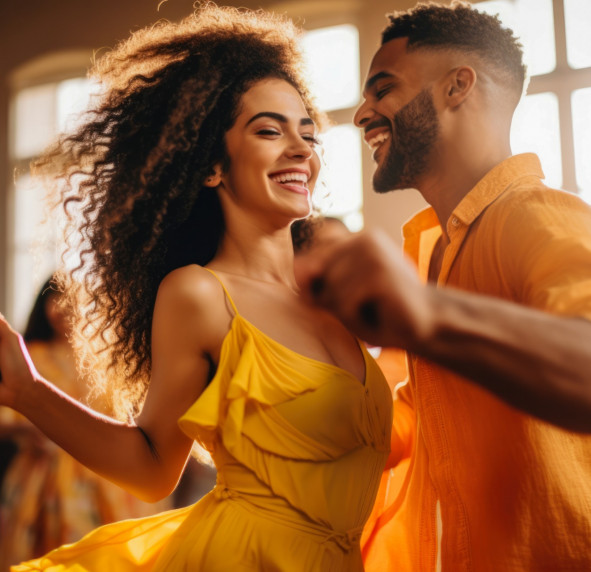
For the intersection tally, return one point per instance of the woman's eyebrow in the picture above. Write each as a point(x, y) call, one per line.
point(279, 117)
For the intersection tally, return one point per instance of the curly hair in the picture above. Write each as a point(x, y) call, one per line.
point(462, 27)
point(131, 178)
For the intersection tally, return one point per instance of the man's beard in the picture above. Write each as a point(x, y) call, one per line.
point(415, 132)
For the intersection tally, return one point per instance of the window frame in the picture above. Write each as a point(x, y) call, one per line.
point(562, 81)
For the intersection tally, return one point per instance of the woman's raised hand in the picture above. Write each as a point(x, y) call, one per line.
point(17, 371)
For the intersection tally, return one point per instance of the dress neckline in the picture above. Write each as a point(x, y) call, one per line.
point(237, 314)
point(273, 341)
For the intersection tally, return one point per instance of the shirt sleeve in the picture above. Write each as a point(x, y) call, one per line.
point(547, 238)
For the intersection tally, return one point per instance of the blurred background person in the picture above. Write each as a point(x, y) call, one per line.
point(310, 233)
point(46, 497)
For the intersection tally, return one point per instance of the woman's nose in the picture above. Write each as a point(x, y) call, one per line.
point(300, 148)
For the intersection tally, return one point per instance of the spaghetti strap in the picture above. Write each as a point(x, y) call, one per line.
point(225, 290)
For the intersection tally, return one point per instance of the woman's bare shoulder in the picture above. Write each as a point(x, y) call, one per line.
point(191, 293)
point(191, 283)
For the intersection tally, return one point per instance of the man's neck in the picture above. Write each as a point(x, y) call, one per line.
point(447, 186)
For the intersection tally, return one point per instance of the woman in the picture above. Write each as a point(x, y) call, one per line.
point(192, 171)
point(46, 497)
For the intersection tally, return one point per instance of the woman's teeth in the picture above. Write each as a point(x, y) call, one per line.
point(290, 178)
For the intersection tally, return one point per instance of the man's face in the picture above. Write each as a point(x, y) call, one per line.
point(414, 134)
point(399, 116)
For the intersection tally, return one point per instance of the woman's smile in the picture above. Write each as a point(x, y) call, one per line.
point(295, 180)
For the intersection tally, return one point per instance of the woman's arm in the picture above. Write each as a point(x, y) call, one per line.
point(186, 330)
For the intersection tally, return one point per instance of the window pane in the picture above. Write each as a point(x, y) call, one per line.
point(34, 247)
point(72, 99)
point(533, 22)
point(28, 210)
point(40, 113)
point(332, 61)
point(536, 129)
point(34, 120)
point(577, 14)
point(581, 105)
point(338, 191)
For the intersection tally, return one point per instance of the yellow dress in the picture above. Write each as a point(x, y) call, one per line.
point(299, 447)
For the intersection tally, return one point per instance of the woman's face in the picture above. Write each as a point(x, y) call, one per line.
point(272, 152)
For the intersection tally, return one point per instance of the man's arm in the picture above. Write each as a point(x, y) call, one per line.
point(533, 360)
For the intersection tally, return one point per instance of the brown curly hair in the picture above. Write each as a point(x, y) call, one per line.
point(131, 178)
point(462, 27)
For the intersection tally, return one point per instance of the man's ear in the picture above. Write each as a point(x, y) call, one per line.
point(215, 178)
point(461, 82)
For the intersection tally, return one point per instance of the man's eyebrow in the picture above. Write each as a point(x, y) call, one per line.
point(279, 117)
point(375, 78)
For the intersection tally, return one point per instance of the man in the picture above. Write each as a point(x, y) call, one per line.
point(503, 323)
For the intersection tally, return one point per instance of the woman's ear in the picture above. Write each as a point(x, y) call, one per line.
point(461, 82)
point(214, 179)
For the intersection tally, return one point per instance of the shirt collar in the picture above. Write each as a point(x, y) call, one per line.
point(486, 191)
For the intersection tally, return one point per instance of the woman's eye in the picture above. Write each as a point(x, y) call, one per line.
point(268, 132)
point(311, 138)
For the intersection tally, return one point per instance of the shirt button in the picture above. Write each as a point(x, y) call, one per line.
point(455, 221)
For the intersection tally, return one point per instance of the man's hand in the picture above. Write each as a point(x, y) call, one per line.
point(369, 285)
point(533, 360)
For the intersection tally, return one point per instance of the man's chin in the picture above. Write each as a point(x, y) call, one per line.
point(390, 175)
point(394, 176)
point(386, 184)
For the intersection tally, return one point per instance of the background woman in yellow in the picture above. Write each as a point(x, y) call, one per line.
point(198, 159)
point(47, 498)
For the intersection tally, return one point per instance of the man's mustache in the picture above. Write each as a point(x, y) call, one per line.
point(381, 122)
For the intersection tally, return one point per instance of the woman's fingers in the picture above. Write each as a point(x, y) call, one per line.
point(16, 368)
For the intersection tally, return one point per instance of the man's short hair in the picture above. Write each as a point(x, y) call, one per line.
point(461, 27)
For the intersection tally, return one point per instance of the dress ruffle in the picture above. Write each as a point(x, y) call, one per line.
point(245, 396)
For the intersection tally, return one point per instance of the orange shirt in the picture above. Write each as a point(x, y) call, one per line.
point(490, 488)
